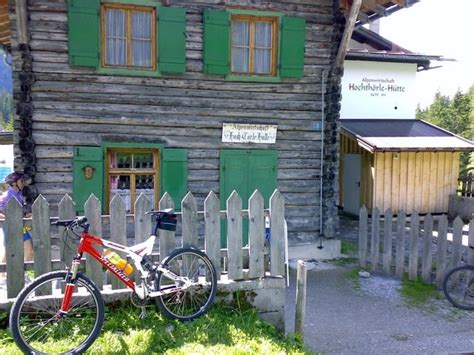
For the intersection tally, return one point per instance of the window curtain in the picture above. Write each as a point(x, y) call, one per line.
point(116, 42)
point(141, 39)
point(240, 46)
point(263, 48)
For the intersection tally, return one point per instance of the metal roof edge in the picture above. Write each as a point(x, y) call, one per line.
point(449, 132)
point(6, 138)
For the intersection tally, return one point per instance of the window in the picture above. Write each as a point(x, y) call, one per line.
point(113, 37)
point(128, 36)
point(253, 45)
point(132, 172)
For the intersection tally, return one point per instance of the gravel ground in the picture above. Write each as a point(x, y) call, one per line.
point(348, 314)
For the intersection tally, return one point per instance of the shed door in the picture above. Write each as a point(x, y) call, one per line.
point(352, 172)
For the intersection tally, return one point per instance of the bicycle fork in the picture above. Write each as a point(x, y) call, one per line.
point(69, 289)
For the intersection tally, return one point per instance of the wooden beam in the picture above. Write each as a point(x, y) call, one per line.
point(346, 36)
point(22, 21)
point(401, 3)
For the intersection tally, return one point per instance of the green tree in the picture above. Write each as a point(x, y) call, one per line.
point(6, 110)
point(455, 115)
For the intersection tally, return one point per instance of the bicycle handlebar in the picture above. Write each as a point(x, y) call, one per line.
point(70, 223)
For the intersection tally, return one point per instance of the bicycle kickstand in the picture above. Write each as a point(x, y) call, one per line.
point(143, 313)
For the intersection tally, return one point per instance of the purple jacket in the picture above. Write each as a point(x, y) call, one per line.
point(7, 195)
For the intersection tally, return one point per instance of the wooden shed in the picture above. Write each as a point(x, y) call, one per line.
point(408, 165)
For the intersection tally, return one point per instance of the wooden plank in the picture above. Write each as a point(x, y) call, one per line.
point(142, 222)
point(234, 236)
point(458, 225)
point(440, 183)
point(212, 224)
point(166, 238)
point(403, 187)
point(441, 249)
point(375, 240)
point(363, 237)
point(387, 242)
point(41, 236)
point(370, 180)
point(470, 257)
point(256, 235)
point(379, 181)
point(455, 172)
point(92, 211)
point(426, 178)
point(413, 257)
point(387, 181)
point(190, 221)
point(433, 182)
point(395, 185)
point(419, 199)
point(118, 230)
point(66, 210)
point(400, 246)
point(14, 253)
point(277, 243)
point(410, 184)
point(448, 178)
point(427, 258)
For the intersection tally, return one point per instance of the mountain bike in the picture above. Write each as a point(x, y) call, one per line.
point(66, 307)
point(458, 286)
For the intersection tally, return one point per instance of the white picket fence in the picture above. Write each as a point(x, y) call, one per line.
point(425, 247)
point(234, 263)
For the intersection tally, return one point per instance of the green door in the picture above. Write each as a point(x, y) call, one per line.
point(245, 171)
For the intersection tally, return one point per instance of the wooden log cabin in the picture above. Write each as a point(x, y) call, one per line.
point(143, 96)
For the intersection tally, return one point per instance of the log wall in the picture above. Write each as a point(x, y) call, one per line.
point(75, 106)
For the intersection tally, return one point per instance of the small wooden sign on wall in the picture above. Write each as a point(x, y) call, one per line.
point(248, 133)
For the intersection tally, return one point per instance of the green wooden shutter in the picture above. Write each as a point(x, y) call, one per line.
point(216, 55)
point(171, 39)
point(83, 33)
point(174, 174)
point(82, 188)
point(292, 47)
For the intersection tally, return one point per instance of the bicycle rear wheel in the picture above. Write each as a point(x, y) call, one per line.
point(37, 325)
point(458, 286)
point(194, 289)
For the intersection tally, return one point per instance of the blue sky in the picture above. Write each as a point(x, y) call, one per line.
point(437, 27)
point(5, 76)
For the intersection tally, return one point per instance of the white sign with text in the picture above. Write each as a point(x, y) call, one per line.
point(248, 133)
point(378, 90)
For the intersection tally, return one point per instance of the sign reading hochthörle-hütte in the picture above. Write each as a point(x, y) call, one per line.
point(248, 133)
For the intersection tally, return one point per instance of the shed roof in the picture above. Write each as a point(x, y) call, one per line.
point(6, 138)
point(403, 134)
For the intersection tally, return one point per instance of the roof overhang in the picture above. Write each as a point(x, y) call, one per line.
point(4, 24)
point(379, 135)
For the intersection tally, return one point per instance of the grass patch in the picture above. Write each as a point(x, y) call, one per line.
point(223, 330)
point(353, 277)
point(344, 261)
point(417, 293)
point(349, 248)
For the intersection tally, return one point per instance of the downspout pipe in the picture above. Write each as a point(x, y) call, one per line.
point(323, 113)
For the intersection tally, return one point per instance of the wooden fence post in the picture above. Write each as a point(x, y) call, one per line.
point(13, 230)
point(118, 230)
point(212, 220)
point(301, 276)
point(441, 249)
point(167, 238)
point(375, 239)
point(190, 221)
point(413, 257)
point(142, 221)
point(256, 235)
point(387, 241)
point(277, 241)
point(458, 225)
point(363, 237)
point(234, 236)
point(92, 211)
point(427, 259)
point(66, 210)
point(41, 234)
point(400, 247)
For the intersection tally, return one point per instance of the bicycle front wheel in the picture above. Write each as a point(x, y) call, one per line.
point(458, 286)
point(192, 291)
point(37, 324)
